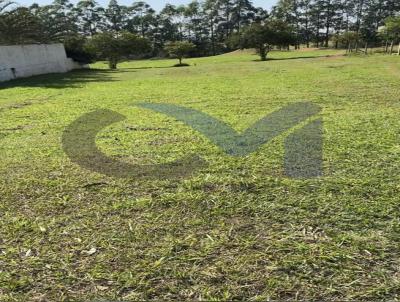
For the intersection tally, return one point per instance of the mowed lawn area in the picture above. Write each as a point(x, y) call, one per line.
point(238, 229)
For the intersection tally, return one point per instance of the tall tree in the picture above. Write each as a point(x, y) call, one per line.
point(59, 19)
point(89, 17)
point(115, 47)
point(20, 26)
point(116, 16)
point(142, 18)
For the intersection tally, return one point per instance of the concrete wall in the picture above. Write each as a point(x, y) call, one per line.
point(19, 61)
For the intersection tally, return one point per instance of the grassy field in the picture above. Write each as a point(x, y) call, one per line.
point(237, 229)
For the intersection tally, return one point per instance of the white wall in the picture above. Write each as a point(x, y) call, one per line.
point(19, 61)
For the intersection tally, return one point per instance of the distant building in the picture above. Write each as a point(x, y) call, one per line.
point(20, 61)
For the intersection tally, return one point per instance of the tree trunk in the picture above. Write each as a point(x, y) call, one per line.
point(391, 47)
point(263, 53)
point(307, 33)
point(112, 64)
point(351, 47)
point(366, 48)
point(213, 39)
point(318, 26)
point(398, 51)
point(387, 46)
point(180, 61)
point(328, 24)
point(327, 36)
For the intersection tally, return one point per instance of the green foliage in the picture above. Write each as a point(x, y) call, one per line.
point(115, 47)
point(346, 39)
point(20, 26)
point(263, 37)
point(115, 15)
point(179, 49)
point(90, 17)
point(76, 49)
point(393, 27)
point(212, 24)
point(59, 20)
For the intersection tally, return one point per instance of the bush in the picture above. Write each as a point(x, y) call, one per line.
point(75, 47)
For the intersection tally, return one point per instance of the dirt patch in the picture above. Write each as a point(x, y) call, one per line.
point(335, 66)
point(132, 128)
point(337, 56)
point(22, 105)
point(308, 49)
point(394, 70)
point(16, 106)
point(27, 103)
point(14, 128)
point(249, 51)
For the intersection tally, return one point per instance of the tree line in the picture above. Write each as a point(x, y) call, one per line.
point(211, 26)
point(319, 22)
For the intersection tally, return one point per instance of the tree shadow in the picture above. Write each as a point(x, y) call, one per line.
point(143, 68)
point(296, 58)
point(72, 79)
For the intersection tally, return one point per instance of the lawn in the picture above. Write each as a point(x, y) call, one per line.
point(236, 229)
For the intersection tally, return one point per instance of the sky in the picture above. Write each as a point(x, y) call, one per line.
point(156, 4)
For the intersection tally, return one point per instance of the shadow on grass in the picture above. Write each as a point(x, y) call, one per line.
point(143, 68)
point(297, 58)
point(182, 65)
point(73, 79)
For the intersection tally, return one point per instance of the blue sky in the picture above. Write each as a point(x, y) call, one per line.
point(156, 4)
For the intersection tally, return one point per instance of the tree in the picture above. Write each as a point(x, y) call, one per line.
point(192, 14)
point(260, 37)
point(263, 37)
point(243, 13)
point(58, 19)
point(179, 49)
point(75, 47)
point(210, 21)
point(289, 12)
point(347, 39)
point(116, 16)
point(90, 17)
point(20, 26)
point(141, 18)
point(393, 31)
point(116, 47)
point(209, 24)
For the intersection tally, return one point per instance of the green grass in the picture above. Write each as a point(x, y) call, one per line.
point(236, 230)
